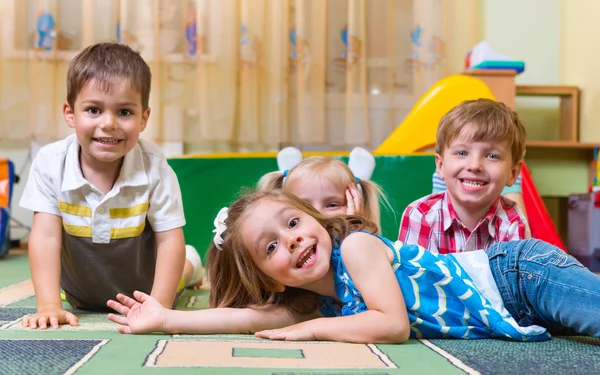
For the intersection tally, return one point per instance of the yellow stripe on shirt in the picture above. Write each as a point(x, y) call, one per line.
point(74, 209)
point(127, 232)
point(122, 213)
point(115, 233)
point(78, 230)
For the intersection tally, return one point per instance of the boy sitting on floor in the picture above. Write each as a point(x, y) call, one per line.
point(108, 213)
point(479, 151)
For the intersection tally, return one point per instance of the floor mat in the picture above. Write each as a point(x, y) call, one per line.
point(41, 356)
point(560, 355)
point(260, 354)
point(95, 347)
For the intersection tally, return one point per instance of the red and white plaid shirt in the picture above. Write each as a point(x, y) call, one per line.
point(431, 222)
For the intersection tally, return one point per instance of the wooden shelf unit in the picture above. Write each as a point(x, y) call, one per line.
point(562, 145)
point(569, 106)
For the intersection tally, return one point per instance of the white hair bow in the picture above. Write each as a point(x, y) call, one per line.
point(220, 227)
point(361, 162)
point(287, 159)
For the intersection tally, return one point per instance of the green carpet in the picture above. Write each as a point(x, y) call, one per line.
point(95, 347)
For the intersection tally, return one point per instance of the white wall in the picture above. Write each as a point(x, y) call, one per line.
point(579, 60)
point(529, 31)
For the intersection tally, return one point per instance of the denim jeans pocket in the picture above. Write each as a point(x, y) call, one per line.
point(498, 249)
point(550, 256)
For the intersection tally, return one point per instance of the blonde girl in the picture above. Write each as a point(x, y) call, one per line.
point(328, 184)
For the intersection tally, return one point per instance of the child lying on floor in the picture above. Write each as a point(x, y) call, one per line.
point(293, 274)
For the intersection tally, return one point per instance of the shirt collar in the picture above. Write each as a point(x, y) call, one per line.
point(448, 212)
point(73, 177)
point(132, 173)
point(490, 216)
point(451, 216)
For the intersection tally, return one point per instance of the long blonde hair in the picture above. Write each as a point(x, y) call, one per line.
point(335, 171)
point(236, 281)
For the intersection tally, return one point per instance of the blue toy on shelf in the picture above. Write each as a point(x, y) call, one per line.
point(519, 66)
point(482, 56)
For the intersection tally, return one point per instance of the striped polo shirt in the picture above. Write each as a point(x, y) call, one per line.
point(108, 243)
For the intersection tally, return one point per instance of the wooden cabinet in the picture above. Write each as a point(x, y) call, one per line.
point(569, 107)
point(501, 83)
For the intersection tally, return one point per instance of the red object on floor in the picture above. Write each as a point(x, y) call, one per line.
point(540, 222)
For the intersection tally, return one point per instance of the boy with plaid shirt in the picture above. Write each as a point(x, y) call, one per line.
point(479, 150)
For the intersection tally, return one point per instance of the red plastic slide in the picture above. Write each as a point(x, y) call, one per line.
point(540, 222)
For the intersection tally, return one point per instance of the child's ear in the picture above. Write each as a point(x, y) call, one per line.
point(69, 115)
point(514, 173)
point(439, 162)
point(145, 117)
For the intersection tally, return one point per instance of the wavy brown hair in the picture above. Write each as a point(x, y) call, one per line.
point(235, 281)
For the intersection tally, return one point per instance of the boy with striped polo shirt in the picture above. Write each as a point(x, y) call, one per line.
point(108, 213)
point(479, 151)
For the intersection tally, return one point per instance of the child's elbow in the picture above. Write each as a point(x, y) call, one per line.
point(401, 333)
point(398, 333)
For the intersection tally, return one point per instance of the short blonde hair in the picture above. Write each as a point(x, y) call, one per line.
point(488, 120)
point(237, 282)
point(338, 173)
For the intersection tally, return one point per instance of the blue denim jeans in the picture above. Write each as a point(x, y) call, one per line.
point(540, 284)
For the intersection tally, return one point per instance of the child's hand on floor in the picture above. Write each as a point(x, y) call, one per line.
point(54, 316)
point(354, 202)
point(143, 314)
point(296, 332)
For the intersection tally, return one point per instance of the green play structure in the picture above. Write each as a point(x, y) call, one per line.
point(209, 183)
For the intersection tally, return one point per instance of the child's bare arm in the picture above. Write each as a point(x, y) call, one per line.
point(144, 314)
point(169, 265)
point(368, 263)
point(44, 261)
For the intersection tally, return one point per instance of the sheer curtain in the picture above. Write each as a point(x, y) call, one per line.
point(237, 75)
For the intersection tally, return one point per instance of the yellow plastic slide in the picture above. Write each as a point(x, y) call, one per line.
point(417, 132)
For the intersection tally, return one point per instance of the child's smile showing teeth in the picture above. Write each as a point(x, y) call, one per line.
point(307, 257)
point(473, 184)
point(107, 141)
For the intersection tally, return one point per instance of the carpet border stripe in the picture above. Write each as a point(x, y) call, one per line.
point(452, 359)
point(153, 356)
point(86, 358)
point(16, 292)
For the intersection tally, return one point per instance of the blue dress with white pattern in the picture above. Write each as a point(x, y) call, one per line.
point(442, 300)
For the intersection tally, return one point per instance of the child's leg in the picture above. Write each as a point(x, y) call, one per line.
point(540, 284)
